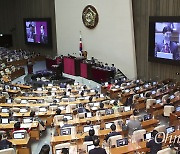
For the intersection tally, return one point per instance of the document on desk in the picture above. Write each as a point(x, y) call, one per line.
point(26, 125)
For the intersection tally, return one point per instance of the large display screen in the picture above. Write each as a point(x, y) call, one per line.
point(164, 39)
point(38, 31)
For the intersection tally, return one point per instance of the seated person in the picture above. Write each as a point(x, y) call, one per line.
point(64, 95)
point(113, 68)
point(36, 118)
point(4, 143)
point(82, 109)
point(17, 126)
point(109, 86)
point(89, 123)
point(91, 136)
point(101, 106)
point(90, 99)
point(112, 133)
point(58, 112)
point(45, 149)
point(54, 103)
point(133, 125)
point(11, 117)
point(65, 121)
point(153, 145)
point(97, 149)
point(115, 105)
point(168, 101)
point(82, 93)
point(135, 112)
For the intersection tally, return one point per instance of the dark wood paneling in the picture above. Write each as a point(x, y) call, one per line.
point(142, 9)
point(12, 13)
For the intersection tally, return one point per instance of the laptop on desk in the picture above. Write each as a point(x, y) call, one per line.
point(147, 117)
point(127, 108)
point(42, 109)
point(148, 136)
point(108, 125)
point(9, 101)
point(87, 128)
point(23, 110)
point(65, 131)
point(178, 109)
point(109, 111)
point(90, 147)
point(68, 116)
point(27, 120)
point(19, 135)
point(170, 130)
point(122, 142)
point(5, 110)
point(5, 120)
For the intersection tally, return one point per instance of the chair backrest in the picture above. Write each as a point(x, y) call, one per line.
point(159, 90)
point(106, 102)
point(72, 106)
point(149, 103)
point(61, 146)
point(58, 118)
point(160, 128)
point(65, 99)
point(34, 108)
point(147, 92)
point(112, 140)
point(81, 115)
point(17, 100)
point(135, 97)
point(167, 110)
point(177, 93)
point(164, 151)
point(49, 99)
point(123, 84)
point(6, 94)
point(96, 128)
point(72, 99)
point(15, 109)
point(138, 135)
point(165, 97)
point(7, 151)
point(32, 101)
point(53, 108)
point(101, 112)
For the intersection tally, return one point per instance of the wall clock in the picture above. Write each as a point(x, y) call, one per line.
point(90, 17)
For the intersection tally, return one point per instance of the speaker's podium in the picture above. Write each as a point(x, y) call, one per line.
point(164, 55)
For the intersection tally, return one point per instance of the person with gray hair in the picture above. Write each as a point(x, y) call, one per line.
point(133, 125)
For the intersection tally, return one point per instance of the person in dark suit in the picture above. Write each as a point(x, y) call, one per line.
point(112, 133)
point(91, 136)
point(167, 46)
point(65, 121)
point(82, 109)
point(97, 149)
point(45, 149)
point(43, 37)
point(155, 144)
point(4, 143)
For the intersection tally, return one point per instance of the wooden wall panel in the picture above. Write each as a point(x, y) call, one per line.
point(142, 9)
point(13, 12)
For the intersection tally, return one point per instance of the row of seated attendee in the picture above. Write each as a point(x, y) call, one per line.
point(132, 125)
point(7, 55)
